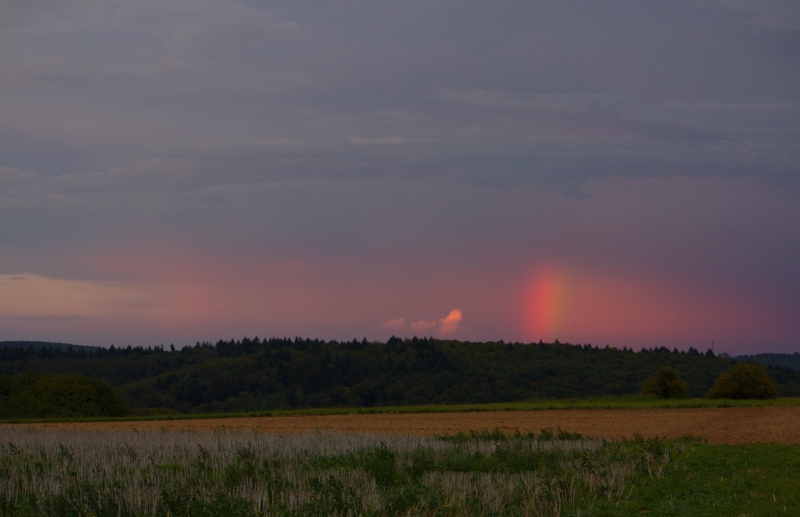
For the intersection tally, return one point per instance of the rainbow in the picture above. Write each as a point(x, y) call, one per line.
point(546, 301)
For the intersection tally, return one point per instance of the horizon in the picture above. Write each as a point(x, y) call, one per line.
point(619, 173)
point(213, 344)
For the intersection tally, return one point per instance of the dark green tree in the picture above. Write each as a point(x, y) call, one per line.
point(744, 381)
point(42, 395)
point(666, 383)
point(281, 373)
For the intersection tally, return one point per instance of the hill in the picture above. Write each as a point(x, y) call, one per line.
point(36, 345)
point(254, 374)
point(791, 361)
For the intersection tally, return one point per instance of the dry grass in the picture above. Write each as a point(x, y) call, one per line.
point(133, 473)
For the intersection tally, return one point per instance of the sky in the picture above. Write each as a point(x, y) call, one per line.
point(622, 173)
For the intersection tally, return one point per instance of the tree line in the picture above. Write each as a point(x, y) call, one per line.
point(284, 373)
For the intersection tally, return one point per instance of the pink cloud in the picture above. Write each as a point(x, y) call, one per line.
point(397, 325)
point(422, 326)
point(446, 326)
point(450, 324)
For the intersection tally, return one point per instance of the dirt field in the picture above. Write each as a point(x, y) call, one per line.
point(719, 425)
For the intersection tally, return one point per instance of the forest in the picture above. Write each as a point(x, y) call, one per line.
point(282, 373)
point(791, 361)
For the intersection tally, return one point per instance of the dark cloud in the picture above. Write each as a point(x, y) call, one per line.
point(103, 85)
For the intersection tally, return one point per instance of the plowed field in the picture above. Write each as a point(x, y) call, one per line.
point(718, 425)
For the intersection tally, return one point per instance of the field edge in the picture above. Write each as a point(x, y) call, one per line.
point(632, 402)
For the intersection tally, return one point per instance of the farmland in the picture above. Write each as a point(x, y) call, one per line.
point(722, 425)
point(494, 454)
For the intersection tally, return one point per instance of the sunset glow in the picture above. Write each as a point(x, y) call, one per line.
point(547, 303)
point(579, 305)
point(483, 172)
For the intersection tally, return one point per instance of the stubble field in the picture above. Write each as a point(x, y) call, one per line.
point(731, 426)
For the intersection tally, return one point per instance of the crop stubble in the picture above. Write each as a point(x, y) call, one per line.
point(735, 425)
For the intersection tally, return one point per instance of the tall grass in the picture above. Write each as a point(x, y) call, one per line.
point(129, 473)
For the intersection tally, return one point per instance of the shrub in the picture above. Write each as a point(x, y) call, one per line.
point(744, 381)
point(41, 395)
point(665, 384)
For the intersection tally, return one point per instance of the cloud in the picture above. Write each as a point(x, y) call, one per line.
point(782, 15)
point(198, 83)
point(11, 177)
point(450, 324)
point(398, 325)
point(42, 296)
point(390, 140)
point(566, 103)
point(445, 327)
point(422, 326)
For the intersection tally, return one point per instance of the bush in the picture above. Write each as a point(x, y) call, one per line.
point(665, 384)
point(41, 395)
point(744, 381)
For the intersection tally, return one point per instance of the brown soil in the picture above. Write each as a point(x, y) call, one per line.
point(718, 425)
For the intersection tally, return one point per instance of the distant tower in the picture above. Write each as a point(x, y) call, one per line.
point(712, 346)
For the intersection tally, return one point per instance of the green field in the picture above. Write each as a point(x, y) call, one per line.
point(239, 473)
point(629, 402)
point(714, 480)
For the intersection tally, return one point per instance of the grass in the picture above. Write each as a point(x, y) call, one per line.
point(625, 402)
point(132, 474)
point(713, 480)
point(238, 473)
